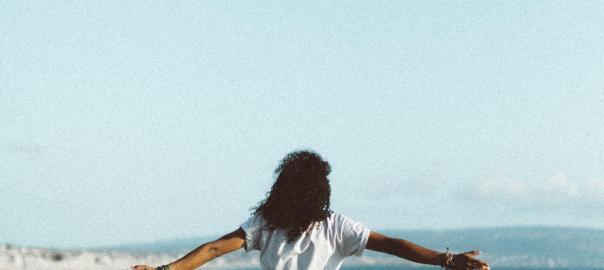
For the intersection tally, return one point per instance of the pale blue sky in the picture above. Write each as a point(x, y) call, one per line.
point(132, 121)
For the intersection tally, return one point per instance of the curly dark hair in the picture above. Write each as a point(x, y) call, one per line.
point(300, 195)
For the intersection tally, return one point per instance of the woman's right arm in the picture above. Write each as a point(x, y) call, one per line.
point(413, 252)
point(206, 252)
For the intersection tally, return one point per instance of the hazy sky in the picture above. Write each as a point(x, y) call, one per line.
point(133, 121)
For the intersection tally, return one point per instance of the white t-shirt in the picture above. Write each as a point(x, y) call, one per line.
point(323, 247)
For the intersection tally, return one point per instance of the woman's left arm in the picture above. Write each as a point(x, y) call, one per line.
point(413, 252)
point(206, 252)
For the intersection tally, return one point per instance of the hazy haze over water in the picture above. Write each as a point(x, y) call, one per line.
point(134, 121)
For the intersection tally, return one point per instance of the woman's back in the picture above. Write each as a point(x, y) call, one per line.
point(294, 228)
point(323, 247)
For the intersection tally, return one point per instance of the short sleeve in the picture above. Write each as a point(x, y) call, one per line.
point(353, 236)
point(253, 229)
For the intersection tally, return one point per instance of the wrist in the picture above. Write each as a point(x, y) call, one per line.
point(446, 260)
point(441, 259)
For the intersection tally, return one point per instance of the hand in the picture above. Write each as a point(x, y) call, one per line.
point(142, 267)
point(466, 261)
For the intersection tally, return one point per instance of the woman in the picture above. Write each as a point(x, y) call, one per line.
point(293, 228)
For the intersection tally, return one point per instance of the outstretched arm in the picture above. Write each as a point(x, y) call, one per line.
point(413, 252)
point(206, 252)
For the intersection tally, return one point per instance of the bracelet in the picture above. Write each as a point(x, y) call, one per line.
point(163, 267)
point(447, 262)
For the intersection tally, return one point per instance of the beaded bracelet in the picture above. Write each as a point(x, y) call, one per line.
point(448, 262)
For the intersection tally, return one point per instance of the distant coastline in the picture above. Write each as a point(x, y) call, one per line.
point(505, 247)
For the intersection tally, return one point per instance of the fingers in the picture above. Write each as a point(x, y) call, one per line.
point(466, 261)
point(477, 264)
point(483, 267)
point(471, 253)
point(477, 268)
